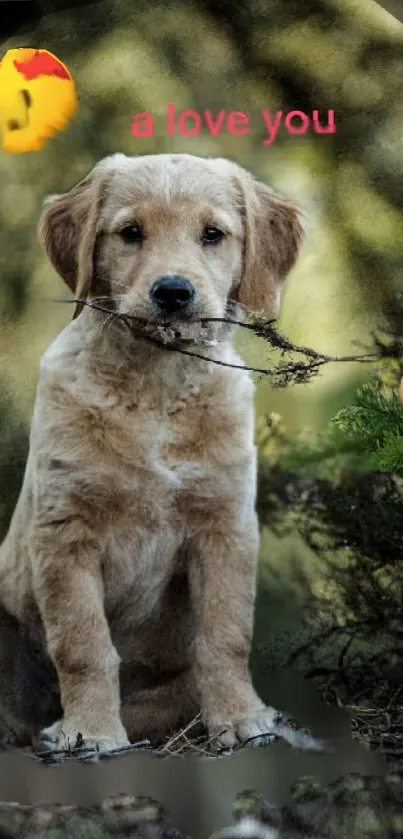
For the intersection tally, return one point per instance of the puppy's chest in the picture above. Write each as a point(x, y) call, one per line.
point(174, 441)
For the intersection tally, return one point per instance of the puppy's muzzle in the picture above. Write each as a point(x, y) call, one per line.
point(172, 294)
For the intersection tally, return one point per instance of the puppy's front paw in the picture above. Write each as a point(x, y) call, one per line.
point(256, 728)
point(65, 735)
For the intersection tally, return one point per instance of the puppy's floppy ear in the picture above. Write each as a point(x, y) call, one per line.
point(68, 231)
point(273, 235)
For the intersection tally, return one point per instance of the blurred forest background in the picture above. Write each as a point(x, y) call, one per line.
point(126, 57)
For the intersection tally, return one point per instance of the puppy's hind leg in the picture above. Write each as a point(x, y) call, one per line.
point(158, 713)
point(29, 694)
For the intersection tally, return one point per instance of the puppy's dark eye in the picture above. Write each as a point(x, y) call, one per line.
point(132, 233)
point(212, 235)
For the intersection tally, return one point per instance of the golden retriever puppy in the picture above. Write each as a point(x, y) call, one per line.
point(127, 578)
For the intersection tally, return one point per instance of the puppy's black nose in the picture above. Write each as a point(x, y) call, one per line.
point(172, 294)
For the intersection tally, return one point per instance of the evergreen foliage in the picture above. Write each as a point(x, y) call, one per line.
point(366, 435)
point(343, 493)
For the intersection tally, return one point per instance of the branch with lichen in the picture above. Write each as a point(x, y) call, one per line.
point(281, 374)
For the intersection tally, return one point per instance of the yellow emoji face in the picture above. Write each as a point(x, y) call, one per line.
point(37, 99)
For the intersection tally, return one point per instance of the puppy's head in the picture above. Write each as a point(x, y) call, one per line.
point(171, 241)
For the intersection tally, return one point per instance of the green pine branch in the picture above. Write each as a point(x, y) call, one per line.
point(366, 435)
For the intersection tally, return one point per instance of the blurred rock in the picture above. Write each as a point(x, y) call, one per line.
point(354, 807)
point(118, 816)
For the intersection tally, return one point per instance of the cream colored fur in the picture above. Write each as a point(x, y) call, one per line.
point(132, 551)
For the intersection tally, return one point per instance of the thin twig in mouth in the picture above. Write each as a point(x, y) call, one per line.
point(299, 371)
